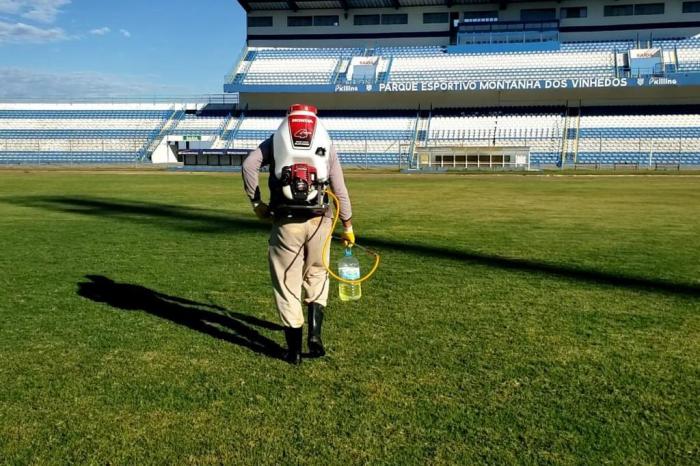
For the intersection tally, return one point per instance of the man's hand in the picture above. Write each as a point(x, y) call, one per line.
point(262, 211)
point(348, 237)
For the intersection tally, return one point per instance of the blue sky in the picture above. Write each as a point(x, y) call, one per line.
point(93, 48)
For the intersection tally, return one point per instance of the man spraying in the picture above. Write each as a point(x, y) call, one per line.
point(303, 163)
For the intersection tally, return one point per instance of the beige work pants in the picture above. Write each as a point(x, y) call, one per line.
point(295, 254)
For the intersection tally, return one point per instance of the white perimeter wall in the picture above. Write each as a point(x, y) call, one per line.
point(163, 153)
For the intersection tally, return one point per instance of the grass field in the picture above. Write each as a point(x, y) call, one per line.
point(515, 319)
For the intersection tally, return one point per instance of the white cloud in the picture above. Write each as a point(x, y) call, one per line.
point(101, 31)
point(15, 33)
point(21, 83)
point(43, 11)
point(11, 7)
point(125, 33)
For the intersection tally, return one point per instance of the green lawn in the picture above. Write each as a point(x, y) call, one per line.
point(514, 319)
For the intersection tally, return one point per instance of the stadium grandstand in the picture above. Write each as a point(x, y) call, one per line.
point(453, 84)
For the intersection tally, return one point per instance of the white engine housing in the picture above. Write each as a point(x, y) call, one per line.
point(288, 152)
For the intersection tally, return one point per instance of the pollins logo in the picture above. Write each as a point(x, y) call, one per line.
point(640, 81)
point(301, 129)
point(662, 81)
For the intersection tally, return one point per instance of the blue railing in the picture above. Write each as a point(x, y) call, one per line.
point(39, 157)
point(76, 134)
point(84, 114)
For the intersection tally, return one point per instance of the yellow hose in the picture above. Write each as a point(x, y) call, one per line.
point(326, 248)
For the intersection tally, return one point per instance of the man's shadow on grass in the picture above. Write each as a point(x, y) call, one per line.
point(211, 320)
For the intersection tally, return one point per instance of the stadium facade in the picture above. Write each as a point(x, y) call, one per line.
point(420, 83)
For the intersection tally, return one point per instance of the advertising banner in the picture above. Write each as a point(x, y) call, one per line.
point(645, 53)
point(477, 85)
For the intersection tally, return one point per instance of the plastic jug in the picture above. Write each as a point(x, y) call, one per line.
point(349, 269)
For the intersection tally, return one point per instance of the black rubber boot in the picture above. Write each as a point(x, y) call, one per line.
point(315, 322)
point(293, 337)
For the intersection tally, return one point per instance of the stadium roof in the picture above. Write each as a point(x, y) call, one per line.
point(296, 5)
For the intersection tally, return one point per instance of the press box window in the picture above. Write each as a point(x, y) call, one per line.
point(480, 16)
point(297, 21)
point(691, 7)
point(366, 20)
point(395, 19)
point(435, 18)
point(259, 21)
point(330, 20)
point(574, 12)
point(538, 14)
point(618, 10)
point(649, 9)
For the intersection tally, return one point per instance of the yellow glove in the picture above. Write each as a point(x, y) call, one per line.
point(348, 237)
point(262, 211)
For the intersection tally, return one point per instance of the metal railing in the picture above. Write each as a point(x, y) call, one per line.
point(228, 98)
